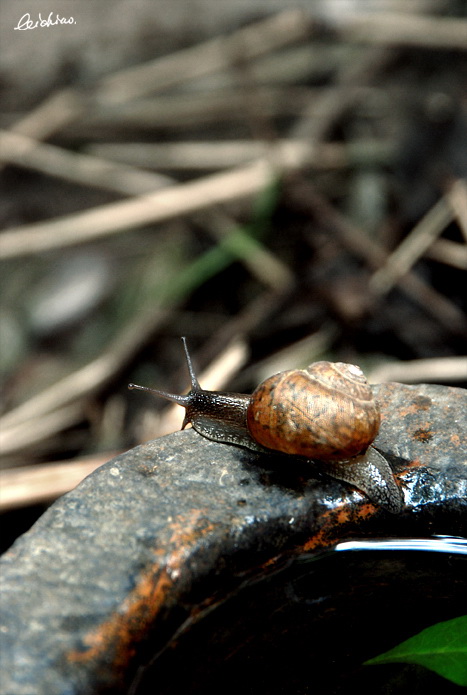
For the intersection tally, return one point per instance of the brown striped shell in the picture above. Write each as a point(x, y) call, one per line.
point(324, 412)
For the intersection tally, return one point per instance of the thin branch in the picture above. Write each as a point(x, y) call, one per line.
point(21, 487)
point(270, 270)
point(406, 29)
point(203, 59)
point(452, 369)
point(84, 169)
point(224, 154)
point(84, 380)
point(89, 170)
point(59, 109)
point(188, 110)
point(354, 73)
point(51, 115)
point(44, 423)
point(457, 199)
point(399, 262)
point(160, 206)
point(449, 252)
point(106, 220)
point(362, 246)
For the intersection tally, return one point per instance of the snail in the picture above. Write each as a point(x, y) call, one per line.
point(325, 413)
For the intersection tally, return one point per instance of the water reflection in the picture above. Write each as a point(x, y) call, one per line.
point(439, 544)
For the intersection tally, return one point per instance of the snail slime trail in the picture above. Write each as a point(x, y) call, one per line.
point(325, 413)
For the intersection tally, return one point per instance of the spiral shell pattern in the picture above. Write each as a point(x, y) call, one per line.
point(324, 412)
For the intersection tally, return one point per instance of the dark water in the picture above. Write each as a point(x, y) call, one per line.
point(310, 627)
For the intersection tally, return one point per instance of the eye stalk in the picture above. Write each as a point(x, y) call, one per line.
point(184, 400)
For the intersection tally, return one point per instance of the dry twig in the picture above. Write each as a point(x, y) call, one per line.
point(83, 169)
point(31, 415)
point(21, 487)
point(449, 252)
point(457, 199)
point(406, 29)
point(105, 220)
point(362, 246)
point(411, 248)
point(211, 56)
point(441, 369)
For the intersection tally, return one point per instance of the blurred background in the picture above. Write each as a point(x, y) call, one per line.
point(281, 182)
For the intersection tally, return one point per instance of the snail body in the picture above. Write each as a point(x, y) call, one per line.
point(325, 413)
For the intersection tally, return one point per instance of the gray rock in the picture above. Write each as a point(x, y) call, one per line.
point(157, 537)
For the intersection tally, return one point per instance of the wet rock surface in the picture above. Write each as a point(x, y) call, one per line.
point(155, 539)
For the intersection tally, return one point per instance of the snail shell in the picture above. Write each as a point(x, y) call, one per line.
point(325, 412)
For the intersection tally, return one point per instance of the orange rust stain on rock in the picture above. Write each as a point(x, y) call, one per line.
point(117, 636)
point(415, 463)
point(343, 515)
point(418, 405)
point(185, 535)
point(408, 410)
point(423, 433)
point(455, 440)
point(120, 630)
point(320, 539)
point(333, 524)
point(366, 510)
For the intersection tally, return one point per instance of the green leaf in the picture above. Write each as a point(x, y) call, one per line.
point(441, 648)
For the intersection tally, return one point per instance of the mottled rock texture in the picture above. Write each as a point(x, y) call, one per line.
point(155, 539)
